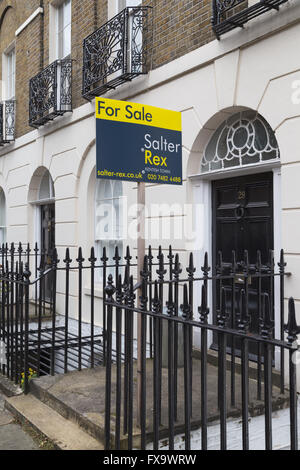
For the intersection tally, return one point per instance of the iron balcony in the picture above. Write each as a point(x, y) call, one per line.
point(117, 52)
point(231, 14)
point(7, 122)
point(50, 93)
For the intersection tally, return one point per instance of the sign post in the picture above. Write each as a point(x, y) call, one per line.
point(141, 249)
point(142, 144)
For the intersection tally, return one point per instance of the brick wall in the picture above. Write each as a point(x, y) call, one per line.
point(179, 26)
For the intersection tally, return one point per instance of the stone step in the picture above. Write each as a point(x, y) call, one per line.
point(41, 389)
point(75, 396)
point(64, 434)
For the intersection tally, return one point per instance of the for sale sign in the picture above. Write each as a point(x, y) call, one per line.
point(138, 142)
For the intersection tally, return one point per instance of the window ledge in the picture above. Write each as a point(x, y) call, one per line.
point(98, 291)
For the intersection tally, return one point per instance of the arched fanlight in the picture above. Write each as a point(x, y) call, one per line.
point(46, 189)
point(244, 139)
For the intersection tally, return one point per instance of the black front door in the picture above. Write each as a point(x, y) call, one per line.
point(243, 220)
point(48, 241)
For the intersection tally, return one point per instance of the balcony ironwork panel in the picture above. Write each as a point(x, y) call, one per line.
point(231, 14)
point(116, 52)
point(7, 121)
point(50, 93)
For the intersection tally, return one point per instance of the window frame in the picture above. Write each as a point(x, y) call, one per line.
point(55, 48)
point(3, 228)
point(9, 73)
point(114, 237)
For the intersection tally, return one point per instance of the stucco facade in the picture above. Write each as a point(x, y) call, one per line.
point(257, 68)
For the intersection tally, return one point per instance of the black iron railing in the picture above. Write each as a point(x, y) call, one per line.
point(231, 14)
point(223, 315)
point(117, 52)
point(7, 121)
point(165, 310)
point(50, 93)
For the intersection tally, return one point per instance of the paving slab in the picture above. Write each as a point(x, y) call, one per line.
point(12, 437)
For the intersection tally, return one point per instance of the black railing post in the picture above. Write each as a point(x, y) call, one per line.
point(67, 262)
point(156, 308)
point(222, 395)
point(258, 270)
point(119, 299)
point(185, 307)
point(126, 288)
point(104, 260)
point(293, 330)
point(161, 273)
point(16, 357)
point(9, 332)
point(41, 294)
point(243, 326)
point(171, 371)
point(131, 305)
point(11, 302)
point(266, 333)
point(22, 315)
point(191, 271)
point(55, 262)
point(176, 271)
point(204, 311)
point(282, 266)
point(110, 290)
point(92, 260)
point(26, 277)
point(80, 261)
point(233, 270)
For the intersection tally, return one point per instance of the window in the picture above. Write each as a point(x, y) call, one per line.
point(244, 139)
point(108, 217)
point(10, 74)
point(46, 190)
point(2, 217)
point(63, 29)
point(128, 3)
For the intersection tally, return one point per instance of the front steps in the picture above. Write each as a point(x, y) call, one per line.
point(64, 434)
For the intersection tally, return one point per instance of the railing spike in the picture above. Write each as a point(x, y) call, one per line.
point(128, 257)
point(80, 258)
point(203, 310)
point(185, 307)
point(92, 258)
point(67, 259)
point(104, 258)
point(292, 328)
point(267, 322)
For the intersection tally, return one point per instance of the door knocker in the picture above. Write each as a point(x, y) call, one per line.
point(239, 212)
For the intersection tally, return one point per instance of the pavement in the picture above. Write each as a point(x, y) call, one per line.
point(12, 435)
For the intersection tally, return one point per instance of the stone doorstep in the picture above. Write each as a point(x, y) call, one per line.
point(93, 423)
point(64, 434)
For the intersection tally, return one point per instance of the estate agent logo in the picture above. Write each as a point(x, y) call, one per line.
point(138, 142)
